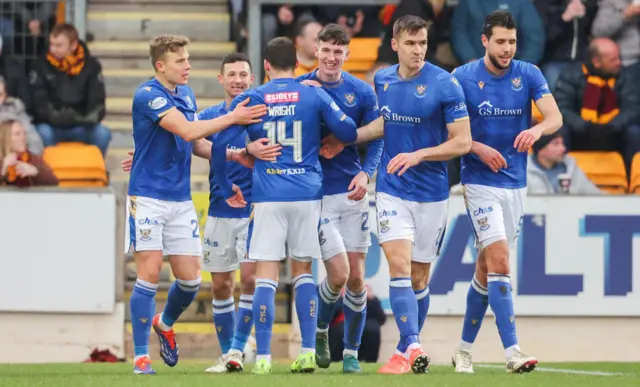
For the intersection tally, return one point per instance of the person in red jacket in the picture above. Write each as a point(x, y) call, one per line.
point(18, 166)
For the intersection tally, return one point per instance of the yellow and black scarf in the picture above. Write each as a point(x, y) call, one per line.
point(599, 103)
point(71, 64)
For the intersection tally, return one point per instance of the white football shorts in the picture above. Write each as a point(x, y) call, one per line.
point(276, 224)
point(225, 244)
point(495, 213)
point(344, 225)
point(422, 223)
point(171, 227)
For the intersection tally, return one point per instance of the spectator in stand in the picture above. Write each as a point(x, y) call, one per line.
point(67, 83)
point(467, 25)
point(359, 21)
point(306, 40)
point(15, 77)
point(620, 20)
point(551, 171)
point(18, 166)
point(12, 109)
point(32, 21)
point(280, 20)
point(600, 103)
point(568, 26)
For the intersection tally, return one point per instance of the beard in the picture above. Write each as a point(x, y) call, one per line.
point(496, 63)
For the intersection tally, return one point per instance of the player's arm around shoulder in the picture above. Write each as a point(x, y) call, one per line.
point(341, 125)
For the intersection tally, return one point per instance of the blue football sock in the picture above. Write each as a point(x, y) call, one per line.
point(223, 319)
point(244, 322)
point(499, 289)
point(327, 300)
point(264, 313)
point(477, 304)
point(306, 298)
point(181, 295)
point(405, 311)
point(423, 298)
point(355, 316)
point(143, 308)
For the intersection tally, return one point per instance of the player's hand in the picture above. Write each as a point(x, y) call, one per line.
point(359, 186)
point(261, 149)
point(526, 138)
point(491, 157)
point(402, 162)
point(26, 170)
point(331, 146)
point(237, 200)
point(311, 82)
point(126, 163)
point(242, 158)
point(244, 115)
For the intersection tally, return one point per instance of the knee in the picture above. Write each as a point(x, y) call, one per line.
point(248, 281)
point(355, 282)
point(399, 267)
point(46, 134)
point(101, 137)
point(338, 278)
point(497, 256)
point(222, 285)
point(419, 280)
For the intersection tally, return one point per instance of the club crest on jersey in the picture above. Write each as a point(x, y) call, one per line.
point(481, 85)
point(350, 99)
point(421, 90)
point(189, 102)
point(516, 83)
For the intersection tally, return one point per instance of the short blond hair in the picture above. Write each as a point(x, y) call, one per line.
point(163, 44)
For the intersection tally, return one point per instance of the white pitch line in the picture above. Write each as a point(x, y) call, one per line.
point(563, 371)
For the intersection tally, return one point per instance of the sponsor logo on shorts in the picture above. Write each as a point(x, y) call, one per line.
point(483, 223)
point(481, 211)
point(384, 226)
point(145, 234)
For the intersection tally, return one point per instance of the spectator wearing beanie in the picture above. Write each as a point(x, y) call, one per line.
point(551, 171)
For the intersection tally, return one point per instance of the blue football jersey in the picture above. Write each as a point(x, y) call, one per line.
point(499, 108)
point(161, 166)
point(238, 174)
point(296, 113)
point(416, 112)
point(358, 100)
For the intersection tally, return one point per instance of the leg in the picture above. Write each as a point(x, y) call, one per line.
point(396, 230)
point(219, 258)
point(335, 339)
point(303, 248)
point(420, 272)
point(267, 236)
point(99, 136)
point(144, 239)
point(335, 261)
point(182, 244)
point(357, 239)
point(48, 134)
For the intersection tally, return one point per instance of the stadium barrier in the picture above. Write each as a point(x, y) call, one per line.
point(60, 275)
point(573, 275)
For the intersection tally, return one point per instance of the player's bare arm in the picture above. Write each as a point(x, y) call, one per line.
point(458, 144)
point(551, 122)
point(331, 146)
point(491, 157)
point(176, 123)
point(202, 148)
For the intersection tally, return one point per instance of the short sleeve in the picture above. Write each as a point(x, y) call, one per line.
point(453, 99)
point(538, 86)
point(152, 103)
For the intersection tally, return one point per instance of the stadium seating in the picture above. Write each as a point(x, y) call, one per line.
point(77, 165)
point(634, 187)
point(604, 169)
point(363, 53)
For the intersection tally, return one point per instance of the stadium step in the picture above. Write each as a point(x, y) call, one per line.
point(138, 51)
point(124, 82)
point(159, 5)
point(133, 26)
point(121, 106)
point(115, 155)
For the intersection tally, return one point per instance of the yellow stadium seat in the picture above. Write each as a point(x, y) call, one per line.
point(76, 164)
point(634, 187)
point(604, 169)
point(363, 53)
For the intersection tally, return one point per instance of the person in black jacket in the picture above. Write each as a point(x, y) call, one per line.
point(68, 85)
point(15, 76)
point(568, 26)
point(600, 103)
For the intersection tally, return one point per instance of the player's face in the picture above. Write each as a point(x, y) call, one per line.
point(175, 66)
point(331, 57)
point(18, 138)
point(554, 151)
point(61, 46)
point(411, 49)
point(501, 47)
point(236, 78)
